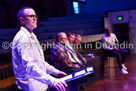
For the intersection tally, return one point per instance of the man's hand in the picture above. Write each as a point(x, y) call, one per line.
point(77, 66)
point(61, 74)
point(79, 63)
point(84, 59)
point(60, 85)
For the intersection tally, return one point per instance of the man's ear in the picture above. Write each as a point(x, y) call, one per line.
point(59, 39)
point(21, 19)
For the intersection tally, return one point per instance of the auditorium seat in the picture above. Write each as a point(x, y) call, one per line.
point(8, 84)
point(6, 71)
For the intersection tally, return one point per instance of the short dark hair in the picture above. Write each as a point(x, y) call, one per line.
point(21, 11)
point(107, 28)
point(71, 34)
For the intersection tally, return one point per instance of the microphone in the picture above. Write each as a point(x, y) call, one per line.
point(80, 58)
point(82, 61)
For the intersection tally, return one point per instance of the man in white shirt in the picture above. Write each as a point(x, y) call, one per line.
point(109, 42)
point(69, 43)
point(74, 58)
point(30, 69)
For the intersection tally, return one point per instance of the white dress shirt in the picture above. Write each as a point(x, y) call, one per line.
point(71, 53)
point(69, 45)
point(109, 42)
point(30, 69)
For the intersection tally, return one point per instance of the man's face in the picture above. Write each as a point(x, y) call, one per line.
point(29, 19)
point(108, 31)
point(63, 38)
point(78, 40)
point(71, 38)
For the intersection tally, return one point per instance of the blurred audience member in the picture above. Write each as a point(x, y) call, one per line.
point(109, 42)
point(77, 41)
point(60, 55)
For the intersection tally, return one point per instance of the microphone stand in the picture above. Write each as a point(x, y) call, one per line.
point(83, 66)
point(82, 61)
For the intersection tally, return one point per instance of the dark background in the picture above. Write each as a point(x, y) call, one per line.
point(58, 8)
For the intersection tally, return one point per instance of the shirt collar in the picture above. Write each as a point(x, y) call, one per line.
point(27, 32)
point(107, 35)
point(61, 44)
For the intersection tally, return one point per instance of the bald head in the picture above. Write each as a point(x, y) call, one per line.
point(62, 37)
point(108, 31)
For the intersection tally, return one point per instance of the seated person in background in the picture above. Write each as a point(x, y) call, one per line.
point(109, 42)
point(74, 58)
point(60, 57)
point(69, 43)
point(77, 41)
